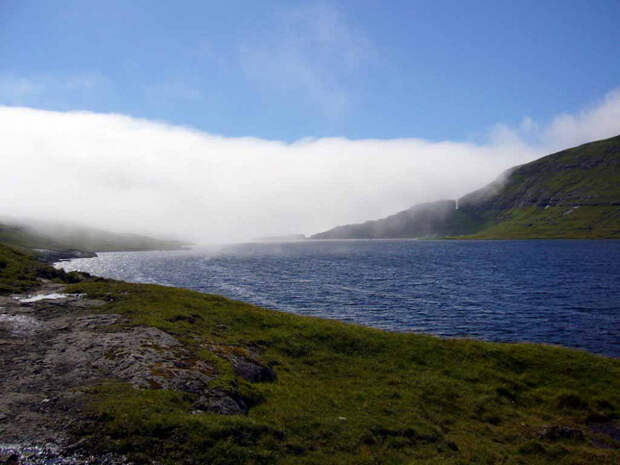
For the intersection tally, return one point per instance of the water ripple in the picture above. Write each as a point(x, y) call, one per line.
point(559, 292)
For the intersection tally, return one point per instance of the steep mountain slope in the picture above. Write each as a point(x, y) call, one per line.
point(574, 193)
point(424, 220)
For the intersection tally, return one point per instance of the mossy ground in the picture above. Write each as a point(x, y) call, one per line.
point(348, 394)
point(19, 272)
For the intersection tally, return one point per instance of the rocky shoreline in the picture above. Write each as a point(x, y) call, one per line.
point(49, 454)
point(50, 257)
point(94, 371)
point(40, 394)
point(55, 346)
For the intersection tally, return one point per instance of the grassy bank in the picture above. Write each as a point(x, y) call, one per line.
point(345, 394)
point(57, 236)
point(19, 272)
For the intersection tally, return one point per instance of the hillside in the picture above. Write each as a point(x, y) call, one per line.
point(31, 235)
point(574, 193)
point(157, 374)
point(424, 220)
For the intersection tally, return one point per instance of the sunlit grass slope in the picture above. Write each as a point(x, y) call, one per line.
point(570, 194)
point(555, 222)
point(352, 395)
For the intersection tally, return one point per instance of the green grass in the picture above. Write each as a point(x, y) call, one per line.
point(344, 394)
point(59, 237)
point(19, 272)
point(352, 395)
point(537, 200)
point(557, 222)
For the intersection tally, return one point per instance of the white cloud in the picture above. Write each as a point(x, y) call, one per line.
point(127, 174)
point(32, 90)
point(313, 52)
point(13, 89)
point(599, 121)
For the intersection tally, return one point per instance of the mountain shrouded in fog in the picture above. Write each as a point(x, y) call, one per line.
point(574, 193)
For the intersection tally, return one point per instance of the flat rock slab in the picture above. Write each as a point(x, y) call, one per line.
point(14, 454)
point(51, 349)
point(54, 346)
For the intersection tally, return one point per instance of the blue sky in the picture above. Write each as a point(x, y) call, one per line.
point(285, 70)
point(227, 121)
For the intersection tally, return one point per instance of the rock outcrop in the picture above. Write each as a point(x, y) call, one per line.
point(55, 345)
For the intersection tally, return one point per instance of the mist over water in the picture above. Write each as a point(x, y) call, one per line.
point(124, 174)
point(557, 292)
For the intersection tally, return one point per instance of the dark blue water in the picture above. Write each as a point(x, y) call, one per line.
point(559, 292)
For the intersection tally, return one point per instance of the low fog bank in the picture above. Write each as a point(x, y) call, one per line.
point(124, 174)
point(40, 234)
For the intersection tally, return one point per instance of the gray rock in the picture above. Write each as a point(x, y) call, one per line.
point(52, 350)
point(217, 401)
point(252, 370)
point(556, 432)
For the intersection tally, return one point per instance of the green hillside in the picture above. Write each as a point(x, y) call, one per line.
point(574, 193)
point(424, 220)
point(41, 235)
point(19, 272)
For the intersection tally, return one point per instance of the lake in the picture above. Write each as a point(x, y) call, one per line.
point(563, 292)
